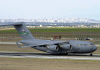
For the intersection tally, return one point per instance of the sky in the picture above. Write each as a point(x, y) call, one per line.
point(43, 9)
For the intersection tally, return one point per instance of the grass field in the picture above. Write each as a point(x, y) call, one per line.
point(15, 48)
point(57, 30)
point(48, 33)
point(47, 64)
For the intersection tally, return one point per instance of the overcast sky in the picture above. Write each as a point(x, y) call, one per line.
point(41, 9)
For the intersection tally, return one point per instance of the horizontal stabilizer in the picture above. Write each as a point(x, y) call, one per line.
point(18, 45)
point(25, 46)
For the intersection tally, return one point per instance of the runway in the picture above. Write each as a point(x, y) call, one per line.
point(8, 43)
point(48, 56)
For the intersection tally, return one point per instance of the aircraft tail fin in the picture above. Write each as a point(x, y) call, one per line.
point(22, 30)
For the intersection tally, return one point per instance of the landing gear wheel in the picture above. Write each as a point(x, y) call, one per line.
point(91, 54)
point(63, 53)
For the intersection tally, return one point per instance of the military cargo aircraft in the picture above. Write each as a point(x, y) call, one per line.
point(51, 46)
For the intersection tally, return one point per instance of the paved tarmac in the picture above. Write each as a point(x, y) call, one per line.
point(49, 56)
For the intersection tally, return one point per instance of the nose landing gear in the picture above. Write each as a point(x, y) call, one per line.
point(91, 54)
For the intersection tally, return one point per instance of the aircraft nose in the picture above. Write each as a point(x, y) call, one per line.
point(94, 48)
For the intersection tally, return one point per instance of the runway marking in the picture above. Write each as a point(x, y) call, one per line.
point(8, 43)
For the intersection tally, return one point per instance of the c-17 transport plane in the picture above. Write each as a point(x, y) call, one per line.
point(51, 46)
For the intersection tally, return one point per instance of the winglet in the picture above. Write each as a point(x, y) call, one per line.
point(18, 45)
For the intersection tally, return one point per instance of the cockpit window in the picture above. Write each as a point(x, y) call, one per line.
point(91, 44)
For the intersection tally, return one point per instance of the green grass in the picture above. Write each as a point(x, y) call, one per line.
point(57, 30)
point(65, 30)
point(51, 32)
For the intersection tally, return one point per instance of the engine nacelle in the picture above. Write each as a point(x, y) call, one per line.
point(66, 46)
point(53, 47)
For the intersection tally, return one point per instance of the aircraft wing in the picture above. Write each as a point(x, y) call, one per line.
point(42, 44)
point(53, 42)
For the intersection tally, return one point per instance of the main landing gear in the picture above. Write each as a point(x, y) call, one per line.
point(63, 53)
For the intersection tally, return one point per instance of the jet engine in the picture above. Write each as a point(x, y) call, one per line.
point(53, 47)
point(66, 46)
